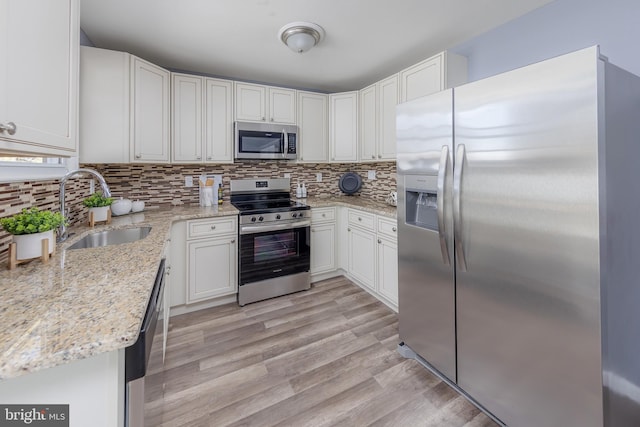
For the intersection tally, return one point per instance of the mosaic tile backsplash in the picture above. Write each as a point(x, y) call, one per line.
point(160, 185)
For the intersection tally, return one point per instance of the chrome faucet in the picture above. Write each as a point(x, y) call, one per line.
point(62, 236)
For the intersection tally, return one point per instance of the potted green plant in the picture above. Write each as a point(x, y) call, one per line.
point(29, 228)
point(99, 205)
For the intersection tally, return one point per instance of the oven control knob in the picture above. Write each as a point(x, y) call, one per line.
point(261, 219)
point(278, 216)
point(253, 219)
point(293, 215)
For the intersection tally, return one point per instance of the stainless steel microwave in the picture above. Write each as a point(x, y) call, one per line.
point(266, 141)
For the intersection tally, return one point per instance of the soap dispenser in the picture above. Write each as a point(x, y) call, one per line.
point(299, 191)
point(304, 191)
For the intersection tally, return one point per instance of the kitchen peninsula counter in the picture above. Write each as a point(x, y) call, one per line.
point(88, 301)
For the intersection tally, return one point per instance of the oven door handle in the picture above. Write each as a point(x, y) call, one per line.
point(259, 228)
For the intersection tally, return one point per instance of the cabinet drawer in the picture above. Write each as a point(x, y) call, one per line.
point(388, 227)
point(362, 219)
point(323, 215)
point(211, 227)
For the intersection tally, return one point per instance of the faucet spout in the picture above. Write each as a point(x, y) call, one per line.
point(62, 232)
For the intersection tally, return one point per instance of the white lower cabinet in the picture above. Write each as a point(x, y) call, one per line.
point(372, 253)
point(323, 240)
point(211, 259)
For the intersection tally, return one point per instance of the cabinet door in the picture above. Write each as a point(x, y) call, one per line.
point(313, 127)
point(212, 268)
point(186, 117)
point(323, 241)
point(361, 251)
point(150, 112)
point(368, 131)
point(250, 102)
point(282, 105)
point(343, 124)
point(219, 121)
point(387, 101)
point(104, 105)
point(388, 270)
point(39, 75)
point(422, 79)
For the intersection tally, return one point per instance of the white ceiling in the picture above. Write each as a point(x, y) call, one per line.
point(366, 40)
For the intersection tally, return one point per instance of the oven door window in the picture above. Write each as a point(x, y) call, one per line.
point(260, 142)
point(272, 254)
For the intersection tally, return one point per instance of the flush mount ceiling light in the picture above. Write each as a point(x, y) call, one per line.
point(301, 36)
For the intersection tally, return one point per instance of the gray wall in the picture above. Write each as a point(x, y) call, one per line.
point(557, 28)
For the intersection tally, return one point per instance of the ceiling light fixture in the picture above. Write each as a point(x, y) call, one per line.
point(301, 36)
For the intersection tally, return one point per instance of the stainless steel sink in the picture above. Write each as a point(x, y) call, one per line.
point(111, 237)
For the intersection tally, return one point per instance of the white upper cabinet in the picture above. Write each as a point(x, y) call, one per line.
point(343, 126)
point(368, 125)
point(258, 103)
point(104, 105)
point(202, 122)
point(39, 42)
point(186, 118)
point(388, 94)
point(150, 112)
point(218, 121)
point(313, 127)
point(124, 108)
point(434, 74)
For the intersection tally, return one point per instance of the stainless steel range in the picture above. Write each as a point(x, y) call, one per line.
point(274, 252)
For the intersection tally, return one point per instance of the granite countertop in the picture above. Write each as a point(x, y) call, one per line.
point(367, 205)
point(90, 301)
point(87, 301)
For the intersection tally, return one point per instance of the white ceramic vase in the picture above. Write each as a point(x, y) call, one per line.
point(99, 213)
point(30, 245)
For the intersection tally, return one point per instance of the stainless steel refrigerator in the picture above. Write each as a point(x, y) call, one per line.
point(519, 241)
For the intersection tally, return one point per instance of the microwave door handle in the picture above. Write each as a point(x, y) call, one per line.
point(285, 142)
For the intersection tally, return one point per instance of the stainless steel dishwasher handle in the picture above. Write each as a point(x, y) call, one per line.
point(461, 261)
point(442, 176)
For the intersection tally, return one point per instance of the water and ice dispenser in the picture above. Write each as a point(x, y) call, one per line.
point(421, 201)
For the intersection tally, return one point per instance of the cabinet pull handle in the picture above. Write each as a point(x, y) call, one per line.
point(213, 227)
point(8, 127)
point(379, 241)
point(393, 229)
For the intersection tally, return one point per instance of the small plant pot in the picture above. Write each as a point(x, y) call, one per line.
point(29, 246)
point(100, 214)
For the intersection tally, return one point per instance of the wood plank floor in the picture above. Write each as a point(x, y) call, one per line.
point(323, 357)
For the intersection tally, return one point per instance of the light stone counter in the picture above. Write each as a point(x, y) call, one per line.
point(87, 301)
point(367, 205)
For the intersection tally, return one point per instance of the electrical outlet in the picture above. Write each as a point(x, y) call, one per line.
point(188, 181)
point(287, 175)
point(371, 175)
point(319, 177)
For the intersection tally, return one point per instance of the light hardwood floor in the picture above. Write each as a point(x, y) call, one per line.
point(323, 357)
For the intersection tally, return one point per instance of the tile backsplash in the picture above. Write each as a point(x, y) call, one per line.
point(159, 184)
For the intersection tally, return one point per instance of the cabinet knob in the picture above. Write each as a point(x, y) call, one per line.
point(393, 229)
point(213, 227)
point(323, 215)
point(379, 241)
point(333, 158)
point(373, 156)
point(198, 157)
point(263, 119)
point(348, 229)
point(271, 118)
point(313, 230)
point(233, 241)
point(379, 156)
point(208, 157)
point(138, 156)
point(8, 127)
point(359, 219)
point(301, 158)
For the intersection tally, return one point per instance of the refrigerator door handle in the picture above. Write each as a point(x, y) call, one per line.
point(461, 262)
point(442, 176)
